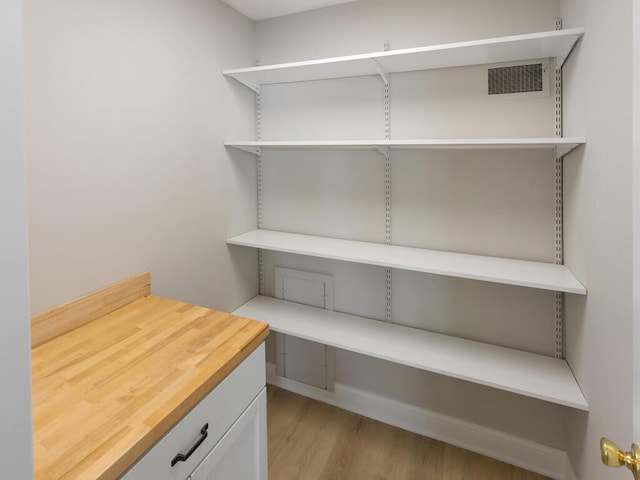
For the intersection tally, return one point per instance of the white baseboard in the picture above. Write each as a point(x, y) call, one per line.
point(570, 474)
point(504, 447)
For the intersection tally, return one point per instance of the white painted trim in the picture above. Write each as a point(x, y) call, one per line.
point(569, 473)
point(501, 446)
point(635, 168)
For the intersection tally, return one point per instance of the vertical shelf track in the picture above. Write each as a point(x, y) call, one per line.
point(387, 184)
point(258, 117)
point(559, 260)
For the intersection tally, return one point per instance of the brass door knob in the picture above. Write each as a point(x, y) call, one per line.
point(613, 456)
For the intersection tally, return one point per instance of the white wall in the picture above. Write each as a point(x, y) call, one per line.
point(598, 228)
point(15, 363)
point(126, 112)
point(492, 203)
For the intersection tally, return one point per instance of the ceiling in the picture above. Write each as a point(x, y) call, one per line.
point(263, 9)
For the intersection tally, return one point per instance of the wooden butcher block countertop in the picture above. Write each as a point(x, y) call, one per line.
point(106, 391)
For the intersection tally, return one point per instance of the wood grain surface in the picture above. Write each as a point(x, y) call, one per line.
point(103, 393)
point(59, 320)
point(310, 440)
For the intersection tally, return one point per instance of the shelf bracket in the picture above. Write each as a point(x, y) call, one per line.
point(382, 72)
point(253, 150)
point(560, 59)
point(562, 150)
point(384, 150)
point(246, 83)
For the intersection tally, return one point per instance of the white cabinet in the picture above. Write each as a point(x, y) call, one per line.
point(235, 417)
point(241, 454)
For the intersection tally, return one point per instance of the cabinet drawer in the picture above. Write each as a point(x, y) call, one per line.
point(241, 454)
point(219, 409)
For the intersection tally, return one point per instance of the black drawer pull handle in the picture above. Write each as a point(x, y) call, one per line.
point(182, 457)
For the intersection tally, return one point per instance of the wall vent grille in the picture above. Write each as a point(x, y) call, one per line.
point(516, 79)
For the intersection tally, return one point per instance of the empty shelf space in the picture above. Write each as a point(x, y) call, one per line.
point(515, 371)
point(556, 43)
point(523, 273)
point(561, 146)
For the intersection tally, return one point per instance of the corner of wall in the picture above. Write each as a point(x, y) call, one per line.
point(16, 443)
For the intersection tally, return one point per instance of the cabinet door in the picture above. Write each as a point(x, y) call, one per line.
point(241, 454)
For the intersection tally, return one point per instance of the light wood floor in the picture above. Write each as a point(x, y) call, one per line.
point(309, 440)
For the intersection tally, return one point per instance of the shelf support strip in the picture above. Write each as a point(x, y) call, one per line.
point(559, 260)
point(387, 178)
point(260, 207)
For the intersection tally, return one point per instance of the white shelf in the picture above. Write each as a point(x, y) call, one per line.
point(561, 146)
point(540, 275)
point(557, 43)
point(519, 372)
